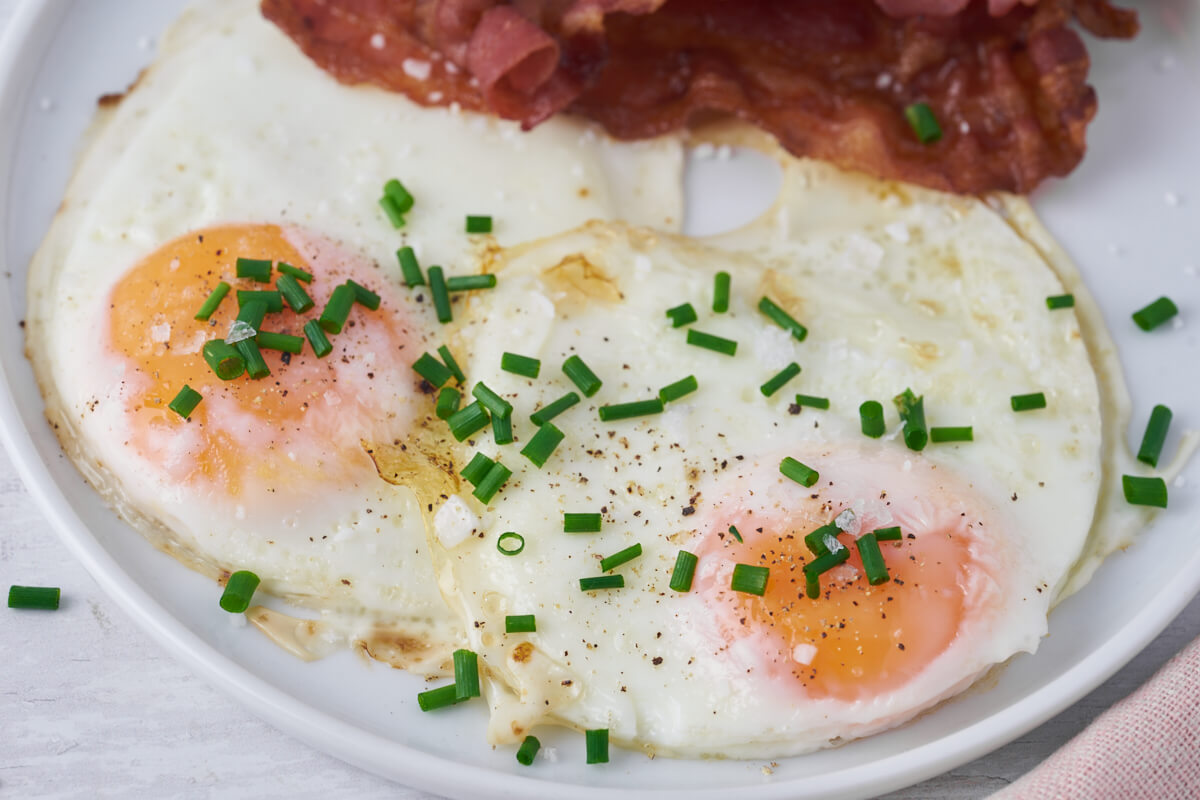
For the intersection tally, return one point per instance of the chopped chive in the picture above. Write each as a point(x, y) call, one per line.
point(510, 543)
point(1155, 314)
point(892, 534)
point(258, 269)
point(337, 310)
point(1028, 402)
point(718, 344)
point(520, 623)
point(431, 370)
point(736, 533)
point(466, 283)
point(812, 585)
point(477, 469)
point(399, 194)
point(721, 283)
point(602, 582)
point(1155, 435)
point(680, 388)
point(871, 415)
point(520, 365)
point(638, 408)
point(466, 675)
point(1058, 301)
point(827, 561)
point(291, 291)
point(468, 420)
point(295, 272)
point(502, 431)
point(392, 210)
point(492, 401)
point(750, 579)
point(271, 298)
point(597, 746)
point(287, 343)
point(496, 476)
point(924, 124)
point(223, 359)
point(684, 571)
point(1144, 491)
point(479, 224)
point(581, 522)
point(239, 591)
point(581, 376)
point(528, 750)
point(801, 474)
point(317, 338)
point(441, 298)
point(963, 433)
point(681, 315)
point(455, 369)
point(912, 413)
point(872, 559)
point(782, 319)
point(815, 402)
point(41, 598)
point(447, 402)
point(783, 376)
point(409, 267)
point(441, 697)
point(549, 412)
point(185, 401)
point(212, 301)
point(610, 563)
point(541, 445)
point(256, 367)
point(252, 313)
point(823, 540)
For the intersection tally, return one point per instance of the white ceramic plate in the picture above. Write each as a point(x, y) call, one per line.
point(1129, 216)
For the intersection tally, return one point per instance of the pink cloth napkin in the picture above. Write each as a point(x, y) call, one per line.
point(1147, 747)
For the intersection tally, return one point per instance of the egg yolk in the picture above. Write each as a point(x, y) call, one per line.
point(303, 423)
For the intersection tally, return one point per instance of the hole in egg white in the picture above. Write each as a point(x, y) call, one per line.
point(727, 187)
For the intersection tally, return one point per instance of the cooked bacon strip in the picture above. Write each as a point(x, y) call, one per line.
point(829, 78)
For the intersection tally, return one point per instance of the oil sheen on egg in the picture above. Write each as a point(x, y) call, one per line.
point(955, 311)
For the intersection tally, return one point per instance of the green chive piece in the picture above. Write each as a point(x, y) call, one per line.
point(871, 415)
point(337, 310)
point(447, 402)
point(892, 534)
point(479, 224)
point(466, 283)
point(681, 315)
point(638, 408)
point(964, 433)
point(510, 543)
point(239, 591)
point(823, 540)
point(1155, 436)
point(542, 444)
point(223, 359)
point(258, 269)
point(684, 571)
point(782, 319)
point(602, 582)
point(1155, 314)
point(252, 313)
point(718, 344)
point(1028, 402)
point(783, 376)
point(524, 366)
point(214, 299)
point(271, 298)
point(549, 412)
point(597, 746)
point(441, 298)
point(581, 376)
point(284, 342)
point(924, 124)
point(520, 623)
point(256, 366)
point(610, 563)
point(409, 267)
point(466, 675)
point(448, 358)
point(477, 469)
point(468, 420)
point(912, 414)
point(872, 559)
point(827, 561)
point(492, 401)
point(721, 282)
point(502, 430)
point(736, 533)
point(581, 522)
point(399, 194)
point(392, 210)
point(295, 272)
point(291, 290)
point(41, 598)
point(441, 697)
point(431, 370)
point(1144, 491)
point(750, 579)
point(528, 750)
point(185, 401)
point(1058, 301)
point(492, 483)
point(801, 474)
point(812, 585)
point(317, 338)
point(678, 389)
point(817, 402)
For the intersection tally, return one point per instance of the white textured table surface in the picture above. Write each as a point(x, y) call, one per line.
point(91, 707)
